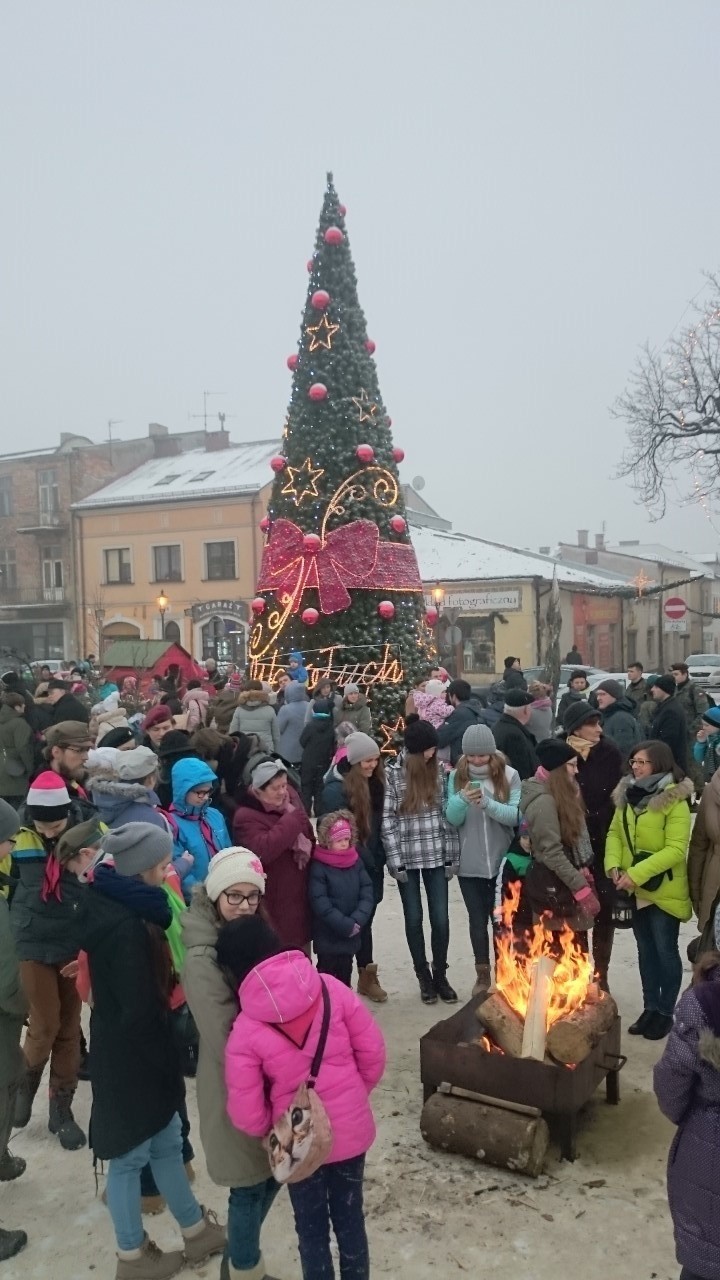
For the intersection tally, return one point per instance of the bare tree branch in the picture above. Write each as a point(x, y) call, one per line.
point(672, 408)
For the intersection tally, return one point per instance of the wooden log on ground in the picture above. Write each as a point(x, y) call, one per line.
point(503, 1023)
point(535, 1029)
point(509, 1139)
point(573, 1039)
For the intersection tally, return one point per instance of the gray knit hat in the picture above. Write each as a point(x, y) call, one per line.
point(265, 772)
point(136, 847)
point(9, 824)
point(351, 688)
point(360, 746)
point(136, 764)
point(478, 740)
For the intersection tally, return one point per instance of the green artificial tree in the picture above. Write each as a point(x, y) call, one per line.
point(339, 579)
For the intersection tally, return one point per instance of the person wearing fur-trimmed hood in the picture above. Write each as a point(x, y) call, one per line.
point(645, 855)
point(254, 714)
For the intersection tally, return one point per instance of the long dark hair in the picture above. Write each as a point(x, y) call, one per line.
point(364, 795)
point(660, 757)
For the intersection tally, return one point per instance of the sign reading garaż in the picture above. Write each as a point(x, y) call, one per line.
point(205, 609)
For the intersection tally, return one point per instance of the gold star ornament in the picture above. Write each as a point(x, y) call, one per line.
point(365, 406)
point(322, 333)
point(390, 733)
point(302, 481)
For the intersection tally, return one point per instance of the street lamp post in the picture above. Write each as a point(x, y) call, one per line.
point(163, 605)
point(438, 595)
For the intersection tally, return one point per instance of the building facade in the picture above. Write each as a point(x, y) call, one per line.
point(172, 550)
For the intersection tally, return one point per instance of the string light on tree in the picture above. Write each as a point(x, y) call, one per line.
point(365, 406)
point(302, 481)
point(322, 334)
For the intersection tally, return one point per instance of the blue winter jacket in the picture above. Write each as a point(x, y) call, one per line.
point(291, 722)
point(201, 831)
point(300, 672)
point(339, 898)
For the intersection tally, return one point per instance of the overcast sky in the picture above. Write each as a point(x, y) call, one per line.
point(532, 190)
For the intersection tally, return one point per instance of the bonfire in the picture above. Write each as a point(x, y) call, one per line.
point(544, 1004)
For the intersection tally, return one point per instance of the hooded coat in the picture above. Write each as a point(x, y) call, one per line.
point(137, 1077)
point(17, 753)
point(233, 1159)
point(597, 778)
point(264, 1067)
point(517, 744)
point(195, 704)
point(450, 734)
point(199, 830)
point(687, 1084)
point(669, 725)
point(300, 672)
point(42, 930)
point(291, 721)
point(271, 834)
point(340, 897)
point(663, 831)
point(621, 726)
point(355, 713)
point(704, 855)
point(120, 802)
point(254, 714)
point(539, 809)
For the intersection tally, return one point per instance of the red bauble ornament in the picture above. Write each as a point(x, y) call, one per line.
point(310, 264)
point(318, 391)
point(320, 299)
point(386, 609)
point(265, 524)
point(342, 210)
point(334, 235)
point(310, 617)
point(399, 454)
point(398, 524)
point(431, 615)
point(278, 463)
point(291, 362)
point(365, 452)
point(312, 543)
point(258, 605)
point(370, 346)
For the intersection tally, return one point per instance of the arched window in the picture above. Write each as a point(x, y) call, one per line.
point(172, 632)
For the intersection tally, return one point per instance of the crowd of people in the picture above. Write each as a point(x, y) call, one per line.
point(202, 865)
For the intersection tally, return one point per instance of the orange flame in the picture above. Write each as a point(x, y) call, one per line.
point(573, 972)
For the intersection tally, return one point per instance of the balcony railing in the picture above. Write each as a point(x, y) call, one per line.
point(10, 597)
point(40, 521)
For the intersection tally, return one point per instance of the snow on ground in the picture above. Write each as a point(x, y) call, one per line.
point(429, 1215)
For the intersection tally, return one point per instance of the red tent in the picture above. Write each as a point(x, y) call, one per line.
point(147, 659)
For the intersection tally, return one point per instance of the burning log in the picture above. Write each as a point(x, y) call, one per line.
point(500, 1133)
point(503, 1023)
point(535, 1029)
point(572, 1039)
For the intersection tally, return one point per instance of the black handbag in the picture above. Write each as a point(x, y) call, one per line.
point(639, 855)
point(544, 891)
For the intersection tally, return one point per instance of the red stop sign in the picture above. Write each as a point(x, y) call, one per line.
point(675, 608)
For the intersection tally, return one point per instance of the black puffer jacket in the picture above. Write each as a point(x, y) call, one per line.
point(137, 1080)
point(450, 734)
point(517, 743)
point(43, 929)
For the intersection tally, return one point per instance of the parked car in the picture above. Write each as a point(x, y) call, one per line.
point(704, 667)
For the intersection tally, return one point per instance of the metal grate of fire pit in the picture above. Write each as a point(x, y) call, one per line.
point(559, 1092)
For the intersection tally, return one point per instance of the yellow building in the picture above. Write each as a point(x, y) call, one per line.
point(172, 550)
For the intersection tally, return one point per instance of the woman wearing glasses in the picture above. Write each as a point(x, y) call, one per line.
point(233, 890)
point(645, 855)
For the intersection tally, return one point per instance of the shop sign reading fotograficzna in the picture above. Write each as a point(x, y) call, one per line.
point(479, 601)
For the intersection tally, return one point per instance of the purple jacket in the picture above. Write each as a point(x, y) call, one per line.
point(687, 1084)
point(263, 1066)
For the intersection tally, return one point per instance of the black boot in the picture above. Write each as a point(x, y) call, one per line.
point(11, 1242)
point(658, 1026)
point(428, 994)
point(62, 1121)
point(637, 1028)
point(25, 1096)
point(442, 986)
point(11, 1167)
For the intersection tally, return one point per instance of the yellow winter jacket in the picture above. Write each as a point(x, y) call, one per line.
point(663, 831)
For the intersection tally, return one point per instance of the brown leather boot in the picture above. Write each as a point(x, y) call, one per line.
point(369, 986)
point(483, 980)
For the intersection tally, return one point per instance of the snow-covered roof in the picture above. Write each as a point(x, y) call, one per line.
point(197, 473)
point(659, 554)
point(458, 557)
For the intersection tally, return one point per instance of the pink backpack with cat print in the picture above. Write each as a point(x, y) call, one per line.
point(301, 1138)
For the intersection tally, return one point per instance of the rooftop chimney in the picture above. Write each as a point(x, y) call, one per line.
point(215, 440)
point(600, 541)
point(544, 551)
point(157, 429)
point(583, 537)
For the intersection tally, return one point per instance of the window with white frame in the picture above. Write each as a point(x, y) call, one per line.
point(117, 565)
point(167, 563)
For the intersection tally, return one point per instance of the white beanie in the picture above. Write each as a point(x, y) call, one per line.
point(234, 866)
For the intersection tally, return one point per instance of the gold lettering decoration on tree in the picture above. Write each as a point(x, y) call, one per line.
point(302, 481)
point(365, 406)
point(330, 666)
point(322, 334)
point(376, 480)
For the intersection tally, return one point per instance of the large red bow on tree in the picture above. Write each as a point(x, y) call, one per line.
point(351, 556)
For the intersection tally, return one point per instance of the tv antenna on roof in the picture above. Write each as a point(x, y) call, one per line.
point(204, 414)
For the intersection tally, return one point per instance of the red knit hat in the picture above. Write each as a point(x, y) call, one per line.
point(157, 716)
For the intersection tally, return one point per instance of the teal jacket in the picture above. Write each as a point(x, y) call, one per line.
point(486, 830)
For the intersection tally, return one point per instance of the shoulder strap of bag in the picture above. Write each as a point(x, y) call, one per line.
point(325, 1027)
point(626, 828)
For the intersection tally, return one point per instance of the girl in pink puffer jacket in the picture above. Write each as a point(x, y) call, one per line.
point(268, 1055)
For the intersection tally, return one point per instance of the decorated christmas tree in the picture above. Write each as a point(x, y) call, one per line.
point(339, 579)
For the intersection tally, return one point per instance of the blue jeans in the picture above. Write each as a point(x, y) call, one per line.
point(333, 1194)
point(656, 935)
point(164, 1151)
point(247, 1210)
point(436, 891)
point(148, 1186)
